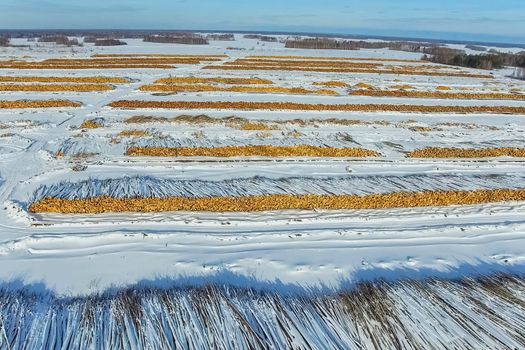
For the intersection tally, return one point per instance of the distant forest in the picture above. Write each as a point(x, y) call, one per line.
point(109, 42)
point(220, 37)
point(59, 39)
point(333, 44)
point(178, 38)
point(433, 52)
point(260, 37)
point(490, 60)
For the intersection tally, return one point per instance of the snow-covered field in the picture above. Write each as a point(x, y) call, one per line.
point(45, 153)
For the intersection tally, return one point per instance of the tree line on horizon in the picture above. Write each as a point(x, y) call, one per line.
point(334, 44)
point(491, 60)
point(178, 38)
point(434, 52)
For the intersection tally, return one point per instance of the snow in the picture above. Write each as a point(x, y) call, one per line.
point(76, 255)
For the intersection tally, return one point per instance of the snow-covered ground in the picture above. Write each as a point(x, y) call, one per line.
point(79, 254)
point(283, 279)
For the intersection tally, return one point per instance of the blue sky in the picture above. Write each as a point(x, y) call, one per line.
point(493, 20)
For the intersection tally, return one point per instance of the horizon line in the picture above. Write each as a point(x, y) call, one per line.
point(277, 32)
